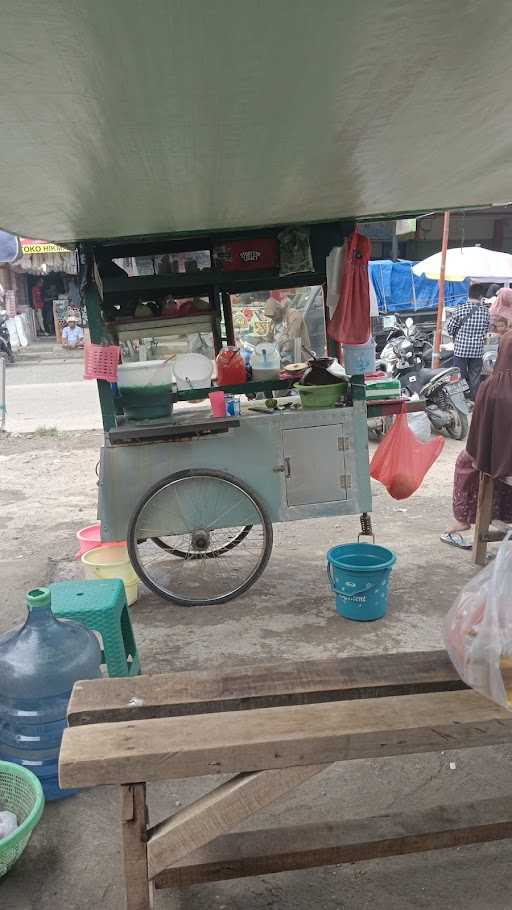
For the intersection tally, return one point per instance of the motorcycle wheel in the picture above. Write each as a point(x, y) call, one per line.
point(458, 426)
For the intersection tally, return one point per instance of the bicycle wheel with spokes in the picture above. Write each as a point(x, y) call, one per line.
point(199, 537)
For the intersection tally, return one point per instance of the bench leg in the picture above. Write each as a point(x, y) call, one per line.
point(483, 518)
point(139, 891)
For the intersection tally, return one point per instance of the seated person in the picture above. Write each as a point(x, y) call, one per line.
point(72, 334)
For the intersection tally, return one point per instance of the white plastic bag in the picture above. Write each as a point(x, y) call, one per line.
point(478, 632)
point(419, 424)
point(8, 824)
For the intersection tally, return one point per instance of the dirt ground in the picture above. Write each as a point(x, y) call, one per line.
point(48, 491)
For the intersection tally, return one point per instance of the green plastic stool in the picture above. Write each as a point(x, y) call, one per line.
point(101, 606)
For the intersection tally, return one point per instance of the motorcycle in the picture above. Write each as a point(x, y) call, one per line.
point(443, 389)
point(5, 339)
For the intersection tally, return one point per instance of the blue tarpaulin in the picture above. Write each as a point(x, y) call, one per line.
point(398, 289)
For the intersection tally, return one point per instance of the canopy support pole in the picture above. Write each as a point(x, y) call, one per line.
point(440, 305)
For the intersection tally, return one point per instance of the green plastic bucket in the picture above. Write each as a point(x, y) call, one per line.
point(146, 402)
point(359, 575)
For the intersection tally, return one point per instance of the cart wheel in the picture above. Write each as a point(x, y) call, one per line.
point(218, 543)
point(239, 536)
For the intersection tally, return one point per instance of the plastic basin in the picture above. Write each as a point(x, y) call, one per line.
point(112, 561)
point(89, 538)
point(193, 371)
point(321, 396)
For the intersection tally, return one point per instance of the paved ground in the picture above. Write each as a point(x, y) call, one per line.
point(46, 388)
point(48, 490)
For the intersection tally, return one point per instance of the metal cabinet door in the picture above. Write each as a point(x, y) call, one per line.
point(314, 459)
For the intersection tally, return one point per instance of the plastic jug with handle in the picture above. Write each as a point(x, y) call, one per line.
point(231, 368)
point(39, 664)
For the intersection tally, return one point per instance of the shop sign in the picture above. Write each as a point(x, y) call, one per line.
point(246, 255)
point(31, 247)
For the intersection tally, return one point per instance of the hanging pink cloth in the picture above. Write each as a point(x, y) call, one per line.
point(350, 323)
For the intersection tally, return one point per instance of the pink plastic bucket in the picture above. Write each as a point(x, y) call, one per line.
point(89, 538)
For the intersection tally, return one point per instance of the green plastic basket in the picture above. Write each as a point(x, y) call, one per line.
point(21, 793)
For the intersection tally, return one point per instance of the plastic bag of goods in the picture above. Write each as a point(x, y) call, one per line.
point(402, 460)
point(478, 632)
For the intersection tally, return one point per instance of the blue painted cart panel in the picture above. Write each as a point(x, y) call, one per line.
point(259, 453)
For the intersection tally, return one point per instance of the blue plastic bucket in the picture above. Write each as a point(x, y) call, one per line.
point(359, 574)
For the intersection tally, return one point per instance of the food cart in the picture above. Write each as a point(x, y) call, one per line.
point(196, 496)
point(210, 124)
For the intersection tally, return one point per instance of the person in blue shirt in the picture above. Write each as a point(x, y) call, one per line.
point(72, 334)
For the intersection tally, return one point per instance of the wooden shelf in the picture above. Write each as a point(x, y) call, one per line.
point(179, 325)
point(248, 388)
point(385, 408)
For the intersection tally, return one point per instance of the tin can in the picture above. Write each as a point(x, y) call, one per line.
point(232, 406)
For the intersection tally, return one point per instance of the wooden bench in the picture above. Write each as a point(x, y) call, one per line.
point(273, 728)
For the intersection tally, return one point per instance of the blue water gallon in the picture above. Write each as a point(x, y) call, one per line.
point(39, 664)
point(359, 574)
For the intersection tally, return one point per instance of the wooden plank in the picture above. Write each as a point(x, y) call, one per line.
point(182, 429)
point(261, 686)
point(388, 406)
point(483, 518)
point(303, 847)
point(220, 811)
point(139, 891)
point(236, 741)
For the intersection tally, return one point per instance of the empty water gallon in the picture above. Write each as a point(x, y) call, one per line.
point(39, 664)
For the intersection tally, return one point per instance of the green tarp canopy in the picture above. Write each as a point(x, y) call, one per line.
point(131, 117)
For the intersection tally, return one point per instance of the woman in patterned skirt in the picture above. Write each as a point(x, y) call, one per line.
point(488, 450)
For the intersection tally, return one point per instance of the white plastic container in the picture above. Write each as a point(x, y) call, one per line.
point(265, 362)
point(359, 358)
point(193, 371)
point(144, 374)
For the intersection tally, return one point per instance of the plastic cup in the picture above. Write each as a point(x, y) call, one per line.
point(218, 403)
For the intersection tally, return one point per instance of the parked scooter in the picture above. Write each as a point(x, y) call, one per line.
point(443, 388)
point(5, 339)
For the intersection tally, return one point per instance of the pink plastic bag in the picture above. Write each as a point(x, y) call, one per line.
point(478, 632)
point(402, 460)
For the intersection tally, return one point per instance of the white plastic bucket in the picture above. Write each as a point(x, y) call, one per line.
point(112, 562)
point(193, 371)
point(359, 358)
point(144, 374)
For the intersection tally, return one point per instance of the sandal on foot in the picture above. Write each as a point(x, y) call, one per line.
point(456, 539)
